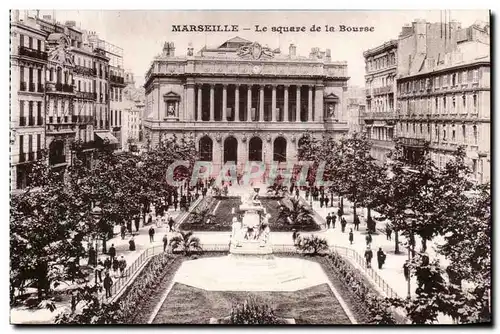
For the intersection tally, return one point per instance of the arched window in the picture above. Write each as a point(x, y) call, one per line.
point(206, 146)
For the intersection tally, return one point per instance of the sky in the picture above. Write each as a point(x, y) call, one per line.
point(142, 34)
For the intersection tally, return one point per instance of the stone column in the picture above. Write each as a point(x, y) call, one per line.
point(224, 103)
point(273, 105)
point(237, 103)
point(261, 104)
point(310, 105)
point(212, 101)
point(199, 118)
point(189, 111)
point(249, 103)
point(297, 116)
point(318, 105)
point(286, 104)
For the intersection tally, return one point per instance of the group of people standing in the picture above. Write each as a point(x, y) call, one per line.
point(111, 263)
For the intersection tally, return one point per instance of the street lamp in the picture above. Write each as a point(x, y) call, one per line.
point(96, 216)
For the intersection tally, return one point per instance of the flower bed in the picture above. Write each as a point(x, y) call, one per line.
point(139, 292)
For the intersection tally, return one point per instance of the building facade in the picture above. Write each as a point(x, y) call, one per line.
point(243, 102)
point(448, 105)
point(28, 61)
point(379, 117)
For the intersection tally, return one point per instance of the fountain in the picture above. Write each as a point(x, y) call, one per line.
point(251, 235)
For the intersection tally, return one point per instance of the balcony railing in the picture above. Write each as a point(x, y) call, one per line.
point(382, 90)
point(379, 115)
point(84, 70)
point(85, 95)
point(57, 159)
point(116, 79)
point(412, 142)
point(32, 87)
point(31, 121)
point(40, 88)
point(39, 120)
point(59, 87)
point(31, 156)
point(22, 157)
point(22, 86)
point(25, 51)
point(74, 119)
point(39, 154)
point(22, 121)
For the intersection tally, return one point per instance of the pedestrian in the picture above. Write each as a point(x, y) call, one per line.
point(297, 192)
point(326, 201)
point(369, 239)
point(165, 242)
point(112, 251)
point(122, 264)
point(129, 227)
point(150, 219)
point(295, 236)
point(122, 230)
point(334, 219)
point(73, 301)
point(171, 224)
point(321, 201)
point(108, 283)
point(351, 236)
point(92, 256)
point(368, 257)
point(328, 220)
point(98, 270)
point(343, 223)
point(406, 270)
point(175, 204)
point(356, 222)
point(340, 212)
point(116, 265)
point(136, 223)
point(131, 244)
point(158, 221)
point(151, 233)
point(307, 194)
point(107, 263)
point(380, 257)
point(388, 232)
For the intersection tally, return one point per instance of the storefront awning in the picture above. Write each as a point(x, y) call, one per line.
point(107, 137)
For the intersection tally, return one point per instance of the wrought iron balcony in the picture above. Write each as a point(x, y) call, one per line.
point(22, 157)
point(59, 87)
point(31, 121)
point(29, 52)
point(22, 121)
point(31, 156)
point(84, 70)
point(412, 142)
point(40, 120)
point(85, 95)
point(32, 87)
point(22, 86)
point(40, 88)
point(116, 80)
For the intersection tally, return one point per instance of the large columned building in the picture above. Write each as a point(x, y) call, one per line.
point(242, 101)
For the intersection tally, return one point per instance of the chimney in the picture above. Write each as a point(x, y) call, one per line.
point(328, 55)
point(292, 50)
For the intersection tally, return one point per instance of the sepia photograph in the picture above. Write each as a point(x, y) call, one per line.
point(278, 167)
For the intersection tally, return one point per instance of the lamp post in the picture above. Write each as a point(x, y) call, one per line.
point(96, 216)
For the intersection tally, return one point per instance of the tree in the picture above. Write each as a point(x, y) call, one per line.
point(90, 310)
point(186, 242)
point(292, 211)
point(312, 245)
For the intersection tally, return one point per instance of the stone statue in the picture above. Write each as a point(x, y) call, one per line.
point(331, 110)
point(170, 110)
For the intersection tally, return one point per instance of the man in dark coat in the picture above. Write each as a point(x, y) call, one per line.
point(388, 232)
point(129, 227)
point(343, 223)
point(151, 233)
point(356, 222)
point(328, 220)
point(92, 256)
point(112, 251)
point(321, 200)
point(334, 220)
point(170, 224)
point(175, 204)
point(131, 244)
point(297, 192)
point(107, 263)
point(351, 236)
point(406, 270)
point(307, 194)
point(368, 257)
point(369, 239)
point(165, 242)
point(380, 258)
point(122, 230)
point(108, 283)
point(326, 201)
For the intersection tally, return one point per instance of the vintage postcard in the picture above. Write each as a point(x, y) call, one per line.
point(250, 167)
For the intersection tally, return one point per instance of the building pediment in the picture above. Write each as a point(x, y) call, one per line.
point(171, 96)
point(331, 97)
